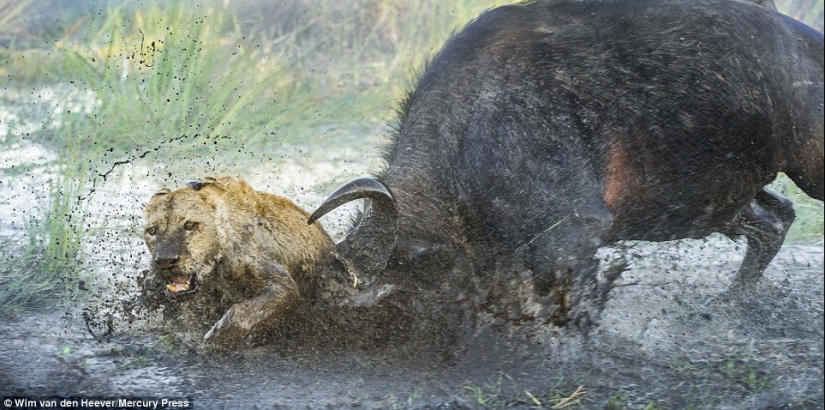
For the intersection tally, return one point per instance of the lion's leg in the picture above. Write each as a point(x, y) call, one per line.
point(263, 312)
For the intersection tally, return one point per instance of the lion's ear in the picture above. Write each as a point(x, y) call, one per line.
point(197, 185)
point(162, 191)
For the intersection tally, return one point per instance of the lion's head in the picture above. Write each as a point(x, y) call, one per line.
point(219, 230)
point(181, 235)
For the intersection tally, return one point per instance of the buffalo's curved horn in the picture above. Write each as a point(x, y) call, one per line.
point(357, 189)
point(369, 244)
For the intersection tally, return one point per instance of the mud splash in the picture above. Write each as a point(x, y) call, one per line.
point(665, 336)
point(663, 339)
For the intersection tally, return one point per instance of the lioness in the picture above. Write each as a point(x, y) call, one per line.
point(232, 261)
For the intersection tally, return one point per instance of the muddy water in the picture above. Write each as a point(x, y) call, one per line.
point(665, 337)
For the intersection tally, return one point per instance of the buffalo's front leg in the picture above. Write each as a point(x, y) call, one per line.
point(566, 274)
point(764, 222)
point(259, 314)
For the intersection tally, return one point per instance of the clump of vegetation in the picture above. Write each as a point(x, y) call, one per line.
point(39, 270)
point(191, 83)
point(163, 73)
point(505, 393)
point(45, 269)
point(810, 213)
point(183, 83)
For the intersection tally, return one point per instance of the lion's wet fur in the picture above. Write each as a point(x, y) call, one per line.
point(249, 251)
point(243, 243)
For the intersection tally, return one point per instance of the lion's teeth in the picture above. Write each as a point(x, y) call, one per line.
point(177, 287)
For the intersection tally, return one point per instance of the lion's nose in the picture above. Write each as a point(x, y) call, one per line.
point(167, 263)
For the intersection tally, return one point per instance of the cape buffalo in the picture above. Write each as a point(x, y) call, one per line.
point(545, 130)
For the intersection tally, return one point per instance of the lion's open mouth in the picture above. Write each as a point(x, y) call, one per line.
point(181, 284)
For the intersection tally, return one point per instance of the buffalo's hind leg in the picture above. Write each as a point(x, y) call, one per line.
point(764, 222)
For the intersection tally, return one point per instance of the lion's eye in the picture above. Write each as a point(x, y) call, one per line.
point(151, 231)
point(190, 225)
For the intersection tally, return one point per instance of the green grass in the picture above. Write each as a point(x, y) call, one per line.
point(193, 84)
point(652, 406)
point(23, 285)
point(46, 269)
point(504, 392)
point(808, 225)
point(181, 83)
point(11, 14)
point(195, 78)
point(163, 72)
point(158, 83)
point(497, 394)
point(616, 402)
